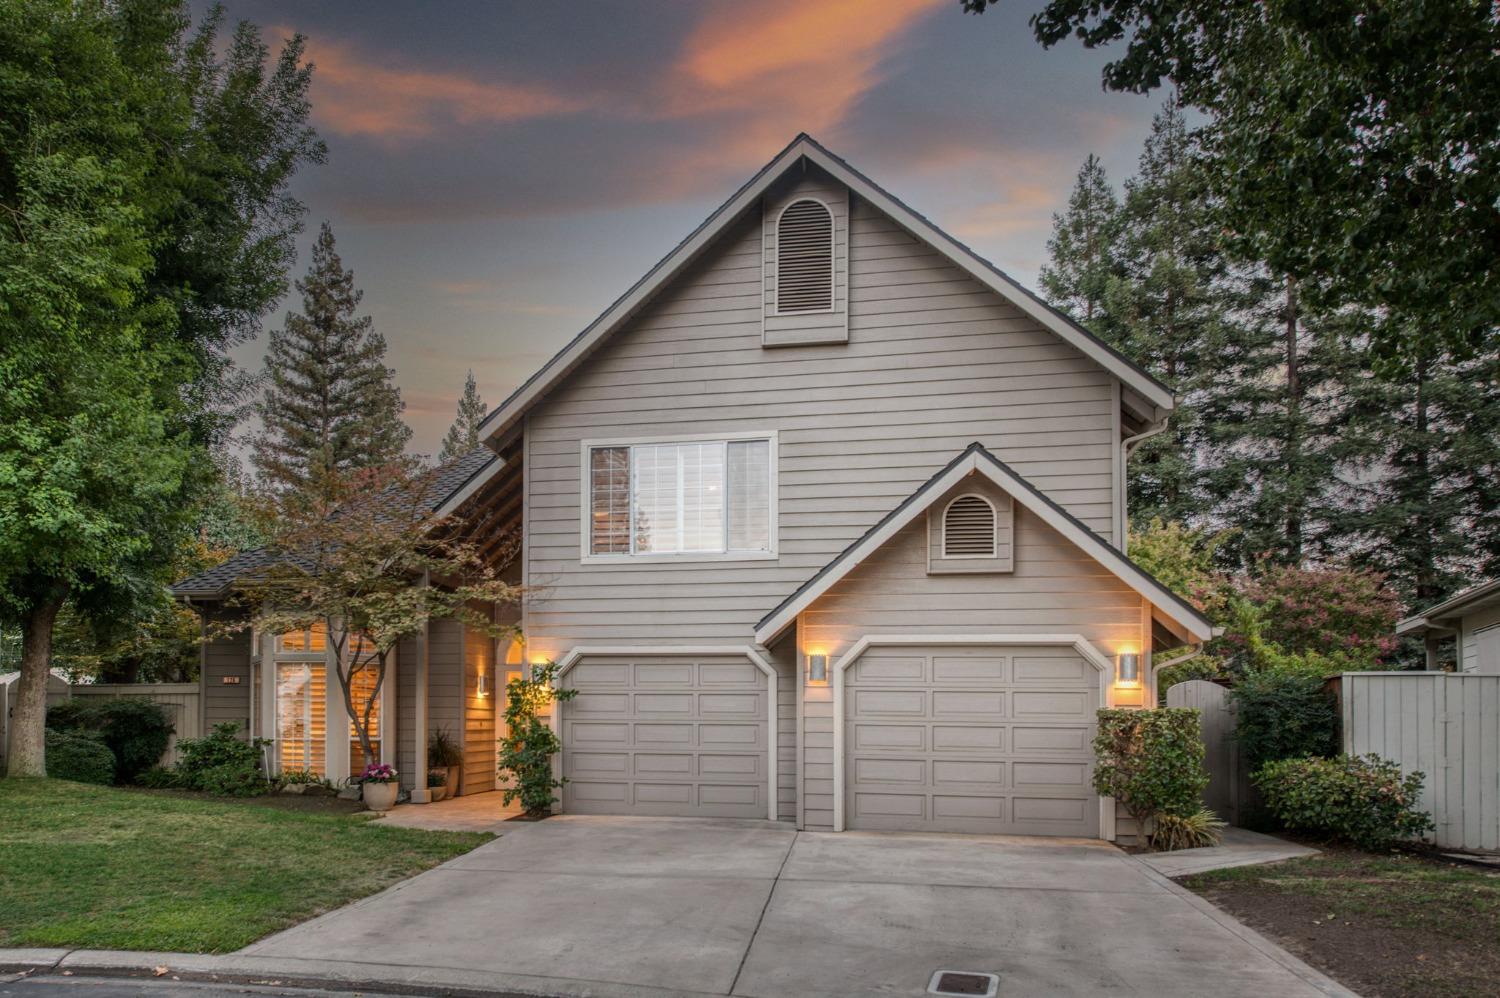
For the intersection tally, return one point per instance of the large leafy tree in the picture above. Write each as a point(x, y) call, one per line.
point(366, 554)
point(117, 166)
point(463, 435)
point(330, 404)
point(1355, 144)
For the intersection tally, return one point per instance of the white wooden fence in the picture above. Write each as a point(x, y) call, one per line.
point(184, 703)
point(1444, 725)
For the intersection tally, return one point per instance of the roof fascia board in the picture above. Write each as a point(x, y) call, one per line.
point(690, 248)
point(1167, 603)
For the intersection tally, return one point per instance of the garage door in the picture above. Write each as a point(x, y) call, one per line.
point(666, 736)
point(986, 739)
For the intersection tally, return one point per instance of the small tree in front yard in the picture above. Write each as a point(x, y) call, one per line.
point(367, 555)
point(1151, 762)
point(529, 744)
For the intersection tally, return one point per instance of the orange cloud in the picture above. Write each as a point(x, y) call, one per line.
point(354, 96)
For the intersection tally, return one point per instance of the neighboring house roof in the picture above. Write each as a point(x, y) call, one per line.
point(804, 147)
point(976, 459)
point(452, 484)
point(1473, 598)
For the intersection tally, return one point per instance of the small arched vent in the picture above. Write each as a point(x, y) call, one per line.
point(969, 528)
point(804, 258)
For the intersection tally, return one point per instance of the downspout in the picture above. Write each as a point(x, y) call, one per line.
point(1128, 445)
point(1156, 667)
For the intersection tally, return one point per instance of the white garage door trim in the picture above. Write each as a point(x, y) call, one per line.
point(1079, 643)
point(581, 652)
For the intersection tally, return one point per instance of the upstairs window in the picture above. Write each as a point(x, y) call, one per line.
point(969, 528)
point(695, 497)
point(804, 258)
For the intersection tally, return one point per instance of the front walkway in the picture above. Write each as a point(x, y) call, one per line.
point(634, 906)
point(483, 812)
point(1237, 847)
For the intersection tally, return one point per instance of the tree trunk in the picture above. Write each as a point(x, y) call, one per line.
point(1292, 457)
point(28, 727)
point(1423, 538)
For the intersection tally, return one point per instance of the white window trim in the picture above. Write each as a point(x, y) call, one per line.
point(833, 269)
point(587, 557)
point(994, 531)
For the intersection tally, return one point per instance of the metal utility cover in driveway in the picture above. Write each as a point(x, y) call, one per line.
point(963, 982)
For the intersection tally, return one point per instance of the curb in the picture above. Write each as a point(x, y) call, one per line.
point(313, 975)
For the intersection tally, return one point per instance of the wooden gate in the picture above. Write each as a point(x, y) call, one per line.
point(1228, 784)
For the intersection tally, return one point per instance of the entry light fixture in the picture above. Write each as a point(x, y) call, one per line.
point(817, 668)
point(1128, 668)
point(483, 688)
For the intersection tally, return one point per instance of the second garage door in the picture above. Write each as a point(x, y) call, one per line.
point(992, 740)
point(672, 736)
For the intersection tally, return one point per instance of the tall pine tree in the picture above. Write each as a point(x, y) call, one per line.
point(1083, 247)
point(463, 435)
point(330, 403)
point(1273, 425)
point(1423, 504)
point(1167, 310)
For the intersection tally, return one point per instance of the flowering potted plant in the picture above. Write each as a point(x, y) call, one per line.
point(380, 786)
point(437, 783)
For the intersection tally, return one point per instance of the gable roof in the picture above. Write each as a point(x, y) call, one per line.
point(701, 238)
point(976, 459)
point(452, 483)
point(1455, 606)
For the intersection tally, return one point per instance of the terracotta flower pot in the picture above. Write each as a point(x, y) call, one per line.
point(381, 796)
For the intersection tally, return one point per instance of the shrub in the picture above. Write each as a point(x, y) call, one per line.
point(222, 763)
point(1191, 831)
point(159, 778)
point(135, 729)
point(1283, 715)
point(529, 744)
point(80, 758)
point(1327, 611)
point(1151, 761)
point(1359, 799)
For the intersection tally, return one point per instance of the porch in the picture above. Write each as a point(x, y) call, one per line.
point(477, 812)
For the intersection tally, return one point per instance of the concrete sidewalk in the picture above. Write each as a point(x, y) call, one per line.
point(1238, 847)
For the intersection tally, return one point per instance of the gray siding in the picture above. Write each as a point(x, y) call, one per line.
point(1468, 640)
point(479, 712)
point(1055, 588)
point(934, 361)
point(445, 677)
point(227, 656)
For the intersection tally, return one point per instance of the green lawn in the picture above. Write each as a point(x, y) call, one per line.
point(98, 867)
point(1387, 925)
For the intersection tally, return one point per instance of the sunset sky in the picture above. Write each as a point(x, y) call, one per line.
point(499, 172)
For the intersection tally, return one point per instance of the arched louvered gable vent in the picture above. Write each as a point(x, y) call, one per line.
point(804, 258)
point(969, 528)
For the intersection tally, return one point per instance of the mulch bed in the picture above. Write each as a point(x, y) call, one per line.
point(1398, 925)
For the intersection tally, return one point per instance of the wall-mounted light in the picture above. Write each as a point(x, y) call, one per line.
point(817, 668)
point(484, 685)
point(1128, 668)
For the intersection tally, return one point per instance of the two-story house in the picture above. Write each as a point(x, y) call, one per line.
point(824, 519)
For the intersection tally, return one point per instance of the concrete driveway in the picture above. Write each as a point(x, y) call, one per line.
point(632, 906)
